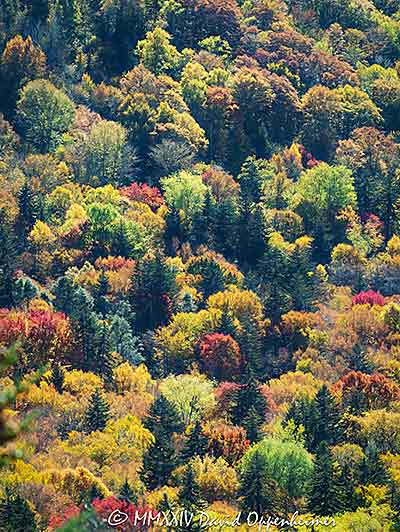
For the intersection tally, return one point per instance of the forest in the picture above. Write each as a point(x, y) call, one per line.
point(199, 265)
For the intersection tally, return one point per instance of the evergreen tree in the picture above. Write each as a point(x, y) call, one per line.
point(250, 342)
point(153, 286)
point(196, 444)
point(327, 426)
point(163, 417)
point(252, 423)
point(358, 360)
point(258, 492)
point(102, 304)
point(159, 461)
point(250, 397)
point(173, 231)
point(28, 206)
point(8, 263)
point(127, 493)
point(98, 413)
point(226, 227)
point(57, 377)
point(327, 494)
point(190, 500)
point(16, 515)
point(203, 222)
point(226, 325)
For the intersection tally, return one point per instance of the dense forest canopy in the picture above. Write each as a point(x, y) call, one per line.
point(199, 262)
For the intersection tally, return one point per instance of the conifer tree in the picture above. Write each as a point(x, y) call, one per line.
point(358, 360)
point(196, 444)
point(28, 211)
point(57, 377)
point(191, 501)
point(16, 515)
point(258, 492)
point(158, 462)
point(249, 397)
point(98, 412)
point(327, 494)
point(153, 287)
point(252, 424)
point(163, 417)
point(8, 263)
point(102, 304)
point(250, 343)
point(127, 493)
point(327, 427)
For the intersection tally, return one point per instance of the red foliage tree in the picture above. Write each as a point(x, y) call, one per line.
point(138, 517)
point(361, 392)
point(145, 194)
point(369, 297)
point(220, 354)
point(57, 521)
point(44, 334)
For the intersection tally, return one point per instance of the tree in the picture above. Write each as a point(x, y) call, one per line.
point(196, 443)
point(21, 61)
point(286, 462)
point(327, 492)
point(158, 462)
point(152, 288)
point(220, 355)
point(127, 493)
point(16, 515)
point(321, 194)
point(259, 492)
point(327, 418)
point(321, 109)
point(250, 397)
point(44, 114)
point(157, 53)
point(164, 417)
point(106, 154)
point(57, 377)
point(98, 412)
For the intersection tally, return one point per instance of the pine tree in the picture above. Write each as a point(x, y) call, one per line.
point(191, 501)
point(226, 227)
point(250, 343)
point(226, 325)
point(8, 264)
point(252, 423)
point(258, 492)
point(98, 412)
point(57, 377)
point(127, 493)
point(358, 360)
point(173, 231)
point(163, 417)
point(16, 514)
point(327, 494)
point(28, 211)
point(158, 462)
point(249, 397)
point(196, 444)
point(102, 304)
point(327, 426)
point(153, 286)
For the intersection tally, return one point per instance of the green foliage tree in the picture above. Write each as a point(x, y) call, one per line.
point(44, 114)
